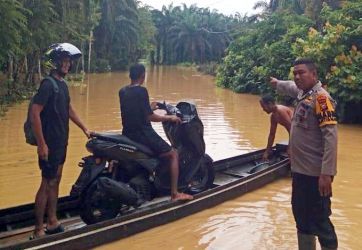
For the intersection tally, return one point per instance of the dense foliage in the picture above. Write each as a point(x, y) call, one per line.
point(261, 51)
point(112, 34)
point(191, 34)
point(276, 37)
point(115, 33)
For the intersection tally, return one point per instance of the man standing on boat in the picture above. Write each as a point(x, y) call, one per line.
point(49, 114)
point(313, 155)
point(137, 115)
point(279, 115)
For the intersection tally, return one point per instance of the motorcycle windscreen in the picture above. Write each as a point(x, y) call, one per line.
point(193, 136)
point(190, 134)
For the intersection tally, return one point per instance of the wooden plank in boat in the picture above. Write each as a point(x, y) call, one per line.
point(221, 179)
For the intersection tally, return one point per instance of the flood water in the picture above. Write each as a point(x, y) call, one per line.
point(234, 124)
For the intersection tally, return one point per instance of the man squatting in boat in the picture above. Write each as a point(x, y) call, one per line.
point(279, 115)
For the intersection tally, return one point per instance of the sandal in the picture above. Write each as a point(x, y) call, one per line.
point(58, 229)
point(34, 237)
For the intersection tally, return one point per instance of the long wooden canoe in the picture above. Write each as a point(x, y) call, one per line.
point(233, 177)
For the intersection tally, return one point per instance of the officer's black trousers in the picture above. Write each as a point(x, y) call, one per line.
point(311, 211)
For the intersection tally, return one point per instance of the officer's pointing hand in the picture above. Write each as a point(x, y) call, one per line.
point(325, 185)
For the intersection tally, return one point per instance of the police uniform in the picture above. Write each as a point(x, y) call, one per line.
point(313, 151)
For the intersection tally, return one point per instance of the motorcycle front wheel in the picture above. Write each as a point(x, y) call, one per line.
point(96, 206)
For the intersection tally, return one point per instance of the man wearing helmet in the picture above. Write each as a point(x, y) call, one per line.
point(49, 115)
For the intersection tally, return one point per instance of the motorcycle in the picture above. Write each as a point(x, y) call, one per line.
point(121, 174)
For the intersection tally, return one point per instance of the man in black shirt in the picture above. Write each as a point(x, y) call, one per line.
point(49, 115)
point(137, 115)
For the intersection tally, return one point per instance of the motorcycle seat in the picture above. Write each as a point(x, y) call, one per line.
point(119, 138)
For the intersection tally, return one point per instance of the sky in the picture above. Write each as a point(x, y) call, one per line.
point(226, 7)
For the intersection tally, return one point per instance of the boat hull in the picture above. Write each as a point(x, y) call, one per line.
point(239, 183)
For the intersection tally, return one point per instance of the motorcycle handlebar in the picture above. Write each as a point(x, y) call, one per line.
point(161, 105)
point(164, 106)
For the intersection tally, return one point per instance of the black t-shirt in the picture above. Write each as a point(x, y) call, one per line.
point(135, 108)
point(54, 116)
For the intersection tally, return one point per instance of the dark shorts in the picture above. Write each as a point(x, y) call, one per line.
point(151, 139)
point(50, 167)
point(311, 211)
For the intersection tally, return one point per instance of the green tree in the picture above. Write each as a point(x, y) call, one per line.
point(263, 49)
point(171, 15)
point(92, 13)
point(13, 26)
point(117, 35)
point(191, 34)
point(146, 42)
point(42, 29)
point(310, 8)
point(337, 51)
point(269, 7)
point(187, 36)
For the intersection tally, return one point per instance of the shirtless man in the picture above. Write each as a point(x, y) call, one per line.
point(279, 114)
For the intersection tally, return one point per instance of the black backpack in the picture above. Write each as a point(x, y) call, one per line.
point(28, 131)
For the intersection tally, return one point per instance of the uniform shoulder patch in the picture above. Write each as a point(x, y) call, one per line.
point(325, 110)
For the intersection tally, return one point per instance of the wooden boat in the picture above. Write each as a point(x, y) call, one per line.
point(233, 177)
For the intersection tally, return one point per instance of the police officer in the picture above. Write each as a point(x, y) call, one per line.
point(313, 155)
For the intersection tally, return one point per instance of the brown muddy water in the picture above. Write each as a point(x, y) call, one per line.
point(234, 124)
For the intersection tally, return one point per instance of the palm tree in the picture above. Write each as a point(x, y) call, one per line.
point(164, 20)
point(218, 30)
point(92, 12)
point(147, 33)
point(42, 27)
point(13, 25)
point(187, 37)
point(192, 34)
point(172, 15)
point(117, 32)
